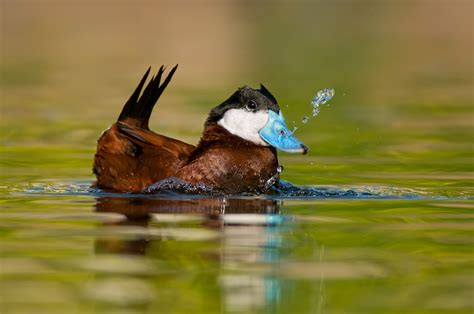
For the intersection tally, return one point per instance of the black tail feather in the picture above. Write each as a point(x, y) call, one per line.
point(132, 101)
point(140, 108)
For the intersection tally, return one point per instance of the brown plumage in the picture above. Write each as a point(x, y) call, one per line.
point(228, 162)
point(130, 157)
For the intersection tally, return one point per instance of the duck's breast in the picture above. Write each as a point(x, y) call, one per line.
point(234, 169)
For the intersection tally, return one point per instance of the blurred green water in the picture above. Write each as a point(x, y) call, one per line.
point(401, 123)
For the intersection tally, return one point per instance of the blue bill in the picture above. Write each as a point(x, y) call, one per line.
point(276, 133)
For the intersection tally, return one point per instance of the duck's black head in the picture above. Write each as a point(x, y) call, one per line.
point(254, 115)
point(246, 99)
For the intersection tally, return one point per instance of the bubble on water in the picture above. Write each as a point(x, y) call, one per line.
point(305, 119)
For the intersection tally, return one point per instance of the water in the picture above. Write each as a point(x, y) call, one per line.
point(321, 98)
point(67, 249)
point(377, 218)
point(274, 179)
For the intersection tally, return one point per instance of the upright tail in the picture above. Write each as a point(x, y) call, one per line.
point(137, 109)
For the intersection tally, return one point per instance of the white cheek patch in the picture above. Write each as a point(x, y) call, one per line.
point(245, 124)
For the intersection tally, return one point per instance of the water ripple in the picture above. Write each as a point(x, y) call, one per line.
point(286, 190)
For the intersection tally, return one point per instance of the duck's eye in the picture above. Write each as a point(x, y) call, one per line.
point(282, 132)
point(251, 106)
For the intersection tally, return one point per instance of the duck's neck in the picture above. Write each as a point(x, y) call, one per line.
point(214, 133)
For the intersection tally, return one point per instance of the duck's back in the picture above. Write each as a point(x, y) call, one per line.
point(129, 156)
point(128, 159)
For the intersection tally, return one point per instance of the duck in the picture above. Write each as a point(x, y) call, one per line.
point(237, 151)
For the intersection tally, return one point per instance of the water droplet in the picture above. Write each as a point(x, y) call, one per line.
point(273, 179)
point(321, 97)
point(315, 111)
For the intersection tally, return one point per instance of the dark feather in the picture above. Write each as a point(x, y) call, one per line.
point(137, 110)
point(129, 132)
point(267, 93)
point(132, 101)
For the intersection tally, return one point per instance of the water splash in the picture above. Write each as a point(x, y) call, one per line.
point(175, 185)
point(321, 98)
point(270, 182)
point(173, 188)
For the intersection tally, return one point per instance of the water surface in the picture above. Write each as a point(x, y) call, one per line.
point(384, 223)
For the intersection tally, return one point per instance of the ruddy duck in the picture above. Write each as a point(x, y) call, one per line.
point(236, 153)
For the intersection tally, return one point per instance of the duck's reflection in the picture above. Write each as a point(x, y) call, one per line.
point(248, 240)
